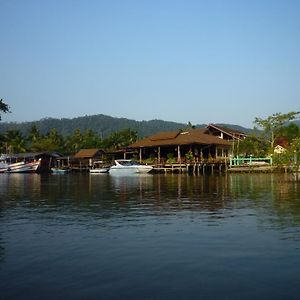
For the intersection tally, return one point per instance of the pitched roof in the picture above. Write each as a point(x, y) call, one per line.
point(87, 153)
point(166, 135)
point(226, 130)
point(193, 136)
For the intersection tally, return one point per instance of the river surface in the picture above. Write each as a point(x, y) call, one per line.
point(82, 236)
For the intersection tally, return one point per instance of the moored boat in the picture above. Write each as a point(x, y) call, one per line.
point(21, 167)
point(127, 166)
point(99, 170)
point(59, 171)
point(99, 167)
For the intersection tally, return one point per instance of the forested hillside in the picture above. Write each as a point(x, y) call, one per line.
point(101, 124)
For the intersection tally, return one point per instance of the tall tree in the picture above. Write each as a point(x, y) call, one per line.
point(120, 139)
point(289, 132)
point(90, 139)
point(271, 126)
point(34, 134)
point(3, 107)
point(251, 145)
point(74, 142)
point(14, 142)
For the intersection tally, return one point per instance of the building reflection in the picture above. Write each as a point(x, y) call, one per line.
point(273, 194)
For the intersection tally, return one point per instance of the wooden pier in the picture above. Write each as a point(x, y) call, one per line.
point(250, 164)
point(191, 168)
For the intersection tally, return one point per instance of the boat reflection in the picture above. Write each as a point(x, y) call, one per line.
point(218, 196)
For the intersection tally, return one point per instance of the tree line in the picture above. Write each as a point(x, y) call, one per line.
point(13, 141)
point(276, 129)
point(260, 143)
point(101, 124)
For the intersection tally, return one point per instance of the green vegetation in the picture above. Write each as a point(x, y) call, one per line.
point(3, 107)
point(273, 125)
point(276, 130)
point(109, 133)
point(102, 125)
point(12, 141)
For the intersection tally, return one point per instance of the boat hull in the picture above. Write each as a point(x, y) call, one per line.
point(130, 170)
point(99, 171)
point(126, 166)
point(22, 167)
point(59, 171)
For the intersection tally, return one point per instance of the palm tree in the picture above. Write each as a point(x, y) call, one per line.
point(3, 107)
point(14, 142)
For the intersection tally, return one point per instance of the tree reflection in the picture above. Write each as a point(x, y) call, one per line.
point(271, 197)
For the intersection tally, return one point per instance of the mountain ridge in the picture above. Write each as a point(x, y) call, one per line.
point(103, 125)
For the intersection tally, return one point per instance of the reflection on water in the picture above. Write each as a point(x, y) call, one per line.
point(149, 236)
point(268, 194)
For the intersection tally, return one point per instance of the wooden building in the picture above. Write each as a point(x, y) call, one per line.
point(85, 158)
point(196, 144)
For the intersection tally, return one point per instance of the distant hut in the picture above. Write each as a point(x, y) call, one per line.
point(281, 145)
point(85, 158)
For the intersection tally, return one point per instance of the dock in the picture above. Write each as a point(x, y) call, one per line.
point(191, 168)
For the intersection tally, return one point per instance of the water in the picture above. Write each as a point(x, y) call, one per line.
point(99, 236)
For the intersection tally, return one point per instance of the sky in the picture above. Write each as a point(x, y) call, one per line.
point(184, 61)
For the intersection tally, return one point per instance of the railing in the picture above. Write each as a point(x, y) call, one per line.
point(249, 161)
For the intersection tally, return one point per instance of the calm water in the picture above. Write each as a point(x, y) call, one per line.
point(149, 237)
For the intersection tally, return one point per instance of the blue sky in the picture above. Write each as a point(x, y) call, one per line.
point(197, 61)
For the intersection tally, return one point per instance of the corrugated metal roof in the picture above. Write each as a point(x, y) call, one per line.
point(193, 136)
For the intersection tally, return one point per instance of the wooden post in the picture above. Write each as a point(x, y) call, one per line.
point(178, 154)
point(140, 154)
point(158, 154)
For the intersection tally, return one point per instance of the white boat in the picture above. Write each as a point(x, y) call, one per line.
point(3, 167)
point(99, 167)
point(21, 167)
point(59, 171)
point(127, 166)
point(99, 170)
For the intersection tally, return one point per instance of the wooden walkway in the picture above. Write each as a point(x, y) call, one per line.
point(196, 168)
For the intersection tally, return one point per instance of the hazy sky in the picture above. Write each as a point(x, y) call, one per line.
point(198, 61)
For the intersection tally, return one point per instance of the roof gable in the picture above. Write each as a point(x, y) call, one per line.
point(228, 131)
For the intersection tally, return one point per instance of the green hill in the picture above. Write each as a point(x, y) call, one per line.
point(102, 124)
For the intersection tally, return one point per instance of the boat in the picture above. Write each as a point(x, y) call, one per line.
point(99, 170)
point(59, 170)
point(127, 166)
point(20, 167)
point(99, 167)
point(3, 167)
